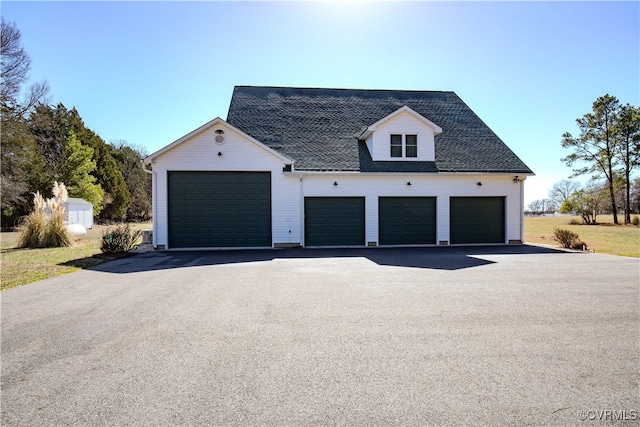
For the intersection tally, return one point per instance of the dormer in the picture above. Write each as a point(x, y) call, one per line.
point(402, 135)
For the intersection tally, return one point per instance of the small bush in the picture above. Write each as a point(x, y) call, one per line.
point(566, 237)
point(118, 239)
point(579, 245)
point(574, 221)
point(635, 220)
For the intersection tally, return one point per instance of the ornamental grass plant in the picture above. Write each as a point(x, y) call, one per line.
point(44, 226)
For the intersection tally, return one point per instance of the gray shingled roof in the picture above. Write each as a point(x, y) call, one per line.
point(319, 128)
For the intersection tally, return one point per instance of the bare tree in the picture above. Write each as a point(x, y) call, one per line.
point(535, 207)
point(542, 206)
point(15, 65)
point(562, 190)
point(587, 202)
point(15, 62)
point(22, 168)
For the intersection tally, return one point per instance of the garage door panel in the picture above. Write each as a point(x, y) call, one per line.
point(477, 220)
point(334, 221)
point(219, 209)
point(407, 220)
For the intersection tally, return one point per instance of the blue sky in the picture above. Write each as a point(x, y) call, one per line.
point(150, 72)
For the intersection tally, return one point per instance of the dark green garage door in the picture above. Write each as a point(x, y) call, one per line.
point(219, 209)
point(407, 220)
point(334, 221)
point(477, 220)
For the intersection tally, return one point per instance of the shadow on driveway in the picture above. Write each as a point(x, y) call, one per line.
point(440, 258)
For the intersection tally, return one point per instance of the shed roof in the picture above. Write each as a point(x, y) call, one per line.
point(320, 128)
point(72, 201)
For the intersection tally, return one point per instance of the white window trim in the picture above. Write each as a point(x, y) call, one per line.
point(404, 145)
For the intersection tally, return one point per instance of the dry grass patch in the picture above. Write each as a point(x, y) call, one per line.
point(22, 266)
point(605, 238)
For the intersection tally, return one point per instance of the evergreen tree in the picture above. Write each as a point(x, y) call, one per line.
point(76, 173)
point(50, 128)
point(628, 132)
point(138, 181)
point(117, 197)
point(596, 145)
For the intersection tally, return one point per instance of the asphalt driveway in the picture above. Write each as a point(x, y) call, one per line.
point(516, 335)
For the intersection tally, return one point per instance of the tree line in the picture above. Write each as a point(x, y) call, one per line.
point(607, 149)
point(43, 143)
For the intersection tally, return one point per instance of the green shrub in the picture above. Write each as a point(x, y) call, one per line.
point(566, 237)
point(120, 238)
point(635, 220)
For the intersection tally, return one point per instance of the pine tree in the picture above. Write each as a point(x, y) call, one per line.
point(628, 133)
point(117, 197)
point(76, 173)
point(596, 145)
point(138, 181)
point(50, 128)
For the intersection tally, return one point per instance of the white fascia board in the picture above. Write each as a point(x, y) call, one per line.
point(217, 121)
point(303, 172)
point(372, 128)
point(521, 176)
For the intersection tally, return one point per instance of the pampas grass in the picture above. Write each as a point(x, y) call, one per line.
point(44, 227)
point(33, 234)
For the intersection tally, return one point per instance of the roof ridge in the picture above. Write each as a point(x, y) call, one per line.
point(342, 89)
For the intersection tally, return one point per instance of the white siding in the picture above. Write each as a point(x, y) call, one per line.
point(82, 215)
point(403, 123)
point(200, 153)
point(442, 187)
point(369, 142)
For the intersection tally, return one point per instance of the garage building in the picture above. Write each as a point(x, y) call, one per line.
point(338, 167)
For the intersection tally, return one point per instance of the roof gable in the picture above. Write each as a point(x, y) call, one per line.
point(207, 126)
point(405, 109)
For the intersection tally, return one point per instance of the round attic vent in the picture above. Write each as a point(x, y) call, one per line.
point(219, 136)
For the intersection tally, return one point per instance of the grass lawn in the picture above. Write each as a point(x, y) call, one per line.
point(22, 266)
point(605, 238)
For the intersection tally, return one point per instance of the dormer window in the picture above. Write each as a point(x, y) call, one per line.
point(396, 145)
point(411, 145)
point(404, 145)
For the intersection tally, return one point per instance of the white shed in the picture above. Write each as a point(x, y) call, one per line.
point(79, 211)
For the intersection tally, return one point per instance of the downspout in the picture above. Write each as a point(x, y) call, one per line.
point(522, 209)
point(302, 230)
point(154, 199)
